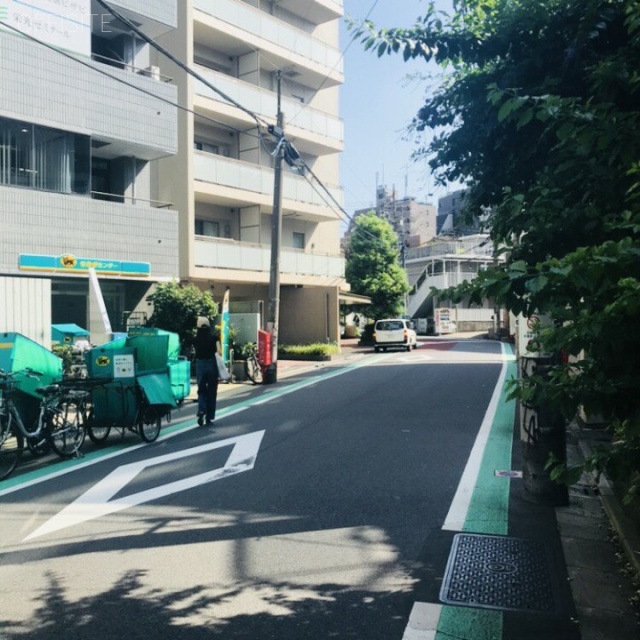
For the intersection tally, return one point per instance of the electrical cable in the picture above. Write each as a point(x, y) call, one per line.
point(340, 59)
point(128, 84)
point(179, 63)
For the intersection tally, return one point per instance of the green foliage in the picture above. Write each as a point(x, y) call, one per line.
point(313, 349)
point(540, 117)
point(373, 268)
point(65, 353)
point(176, 308)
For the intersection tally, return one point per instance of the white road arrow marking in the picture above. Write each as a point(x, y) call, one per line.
point(96, 502)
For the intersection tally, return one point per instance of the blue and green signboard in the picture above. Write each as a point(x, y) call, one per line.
point(68, 263)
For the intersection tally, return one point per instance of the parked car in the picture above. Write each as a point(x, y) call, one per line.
point(394, 332)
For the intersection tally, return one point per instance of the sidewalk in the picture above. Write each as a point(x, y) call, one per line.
point(597, 540)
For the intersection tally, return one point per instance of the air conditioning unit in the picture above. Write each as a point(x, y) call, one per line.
point(153, 72)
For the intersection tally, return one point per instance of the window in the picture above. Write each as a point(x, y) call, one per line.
point(298, 240)
point(38, 157)
point(208, 147)
point(209, 228)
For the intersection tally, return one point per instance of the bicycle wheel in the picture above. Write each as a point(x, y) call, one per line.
point(11, 447)
point(97, 433)
point(149, 423)
point(253, 370)
point(66, 429)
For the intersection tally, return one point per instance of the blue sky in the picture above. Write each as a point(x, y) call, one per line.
point(378, 100)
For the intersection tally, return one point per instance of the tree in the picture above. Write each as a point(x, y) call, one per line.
point(372, 265)
point(176, 308)
point(540, 117)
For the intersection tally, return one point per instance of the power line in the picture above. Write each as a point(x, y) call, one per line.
point(179, 63)
point(291, 155)
point(128, 84)
point(340, 59)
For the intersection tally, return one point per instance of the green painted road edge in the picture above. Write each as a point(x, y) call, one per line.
point(488, 514)
point(31, 478)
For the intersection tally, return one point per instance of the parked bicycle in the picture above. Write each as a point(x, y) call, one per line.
point(59, 424)
point(252, 365)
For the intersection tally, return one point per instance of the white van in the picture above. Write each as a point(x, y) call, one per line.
point(394, 332)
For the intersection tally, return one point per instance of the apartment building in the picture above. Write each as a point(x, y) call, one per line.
point(414, 222)
point(85, 113)
point(222, 178)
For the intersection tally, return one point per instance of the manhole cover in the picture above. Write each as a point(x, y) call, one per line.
point(496, 572)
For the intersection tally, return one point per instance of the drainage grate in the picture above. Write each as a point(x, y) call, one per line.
point(496, 572)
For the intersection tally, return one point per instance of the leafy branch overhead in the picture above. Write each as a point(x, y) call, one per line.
point(539, 115)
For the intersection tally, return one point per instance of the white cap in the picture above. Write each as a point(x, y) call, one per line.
point(203, 322)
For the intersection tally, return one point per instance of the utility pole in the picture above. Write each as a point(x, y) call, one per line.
point(273, 310)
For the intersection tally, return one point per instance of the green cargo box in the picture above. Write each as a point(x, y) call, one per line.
point(151, 353)
point(17, 352)
point(180, 378)
point(115, 403)
point(173, 339)
point(111, 361)
point(67, 334)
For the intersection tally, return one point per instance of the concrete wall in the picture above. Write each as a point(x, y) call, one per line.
point(308, 315)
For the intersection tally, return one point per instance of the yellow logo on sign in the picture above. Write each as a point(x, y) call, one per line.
point(103, 361)
point(68, 261)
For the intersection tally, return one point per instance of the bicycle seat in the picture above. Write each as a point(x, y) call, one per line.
point(48, 390)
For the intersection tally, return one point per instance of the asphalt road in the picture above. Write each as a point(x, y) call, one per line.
point(302, 514)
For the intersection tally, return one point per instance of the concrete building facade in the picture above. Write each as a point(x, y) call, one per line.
point(414, 222)
point(222, 178)
point(85, 113)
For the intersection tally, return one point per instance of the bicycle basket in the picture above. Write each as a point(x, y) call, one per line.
point(8, 386)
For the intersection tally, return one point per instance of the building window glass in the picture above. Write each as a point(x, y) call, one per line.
point(298, 240)
point(208, 147)
point(43, 158)
point(209, 228)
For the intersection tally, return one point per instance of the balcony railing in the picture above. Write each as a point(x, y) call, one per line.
point(221, 253)
point(264, 103)
point(272, 30)
point(253, 178)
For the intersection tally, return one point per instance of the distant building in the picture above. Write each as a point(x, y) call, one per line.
point(450, 219)
point(413, 221)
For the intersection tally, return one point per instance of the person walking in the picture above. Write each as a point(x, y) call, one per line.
point(206, 346)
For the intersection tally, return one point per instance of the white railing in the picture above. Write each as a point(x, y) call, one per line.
point(249, 177)
point(272, 30)
point(220, 253)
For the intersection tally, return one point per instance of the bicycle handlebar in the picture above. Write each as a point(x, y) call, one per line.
point(27, 371)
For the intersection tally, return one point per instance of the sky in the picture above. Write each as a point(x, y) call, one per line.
point(378, 100)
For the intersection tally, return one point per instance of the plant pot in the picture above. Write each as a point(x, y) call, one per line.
point(239, 372)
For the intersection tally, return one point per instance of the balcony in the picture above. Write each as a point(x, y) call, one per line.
point(238, 28)
point(59, 92)
point(154, 17)
point(316, 132)
point(235, 183)
point(315, 11)
point(296, 266)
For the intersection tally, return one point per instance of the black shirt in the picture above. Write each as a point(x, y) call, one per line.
point(205, 344)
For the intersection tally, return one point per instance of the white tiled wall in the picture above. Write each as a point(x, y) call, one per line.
point(44, 223)
point(45, 87)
